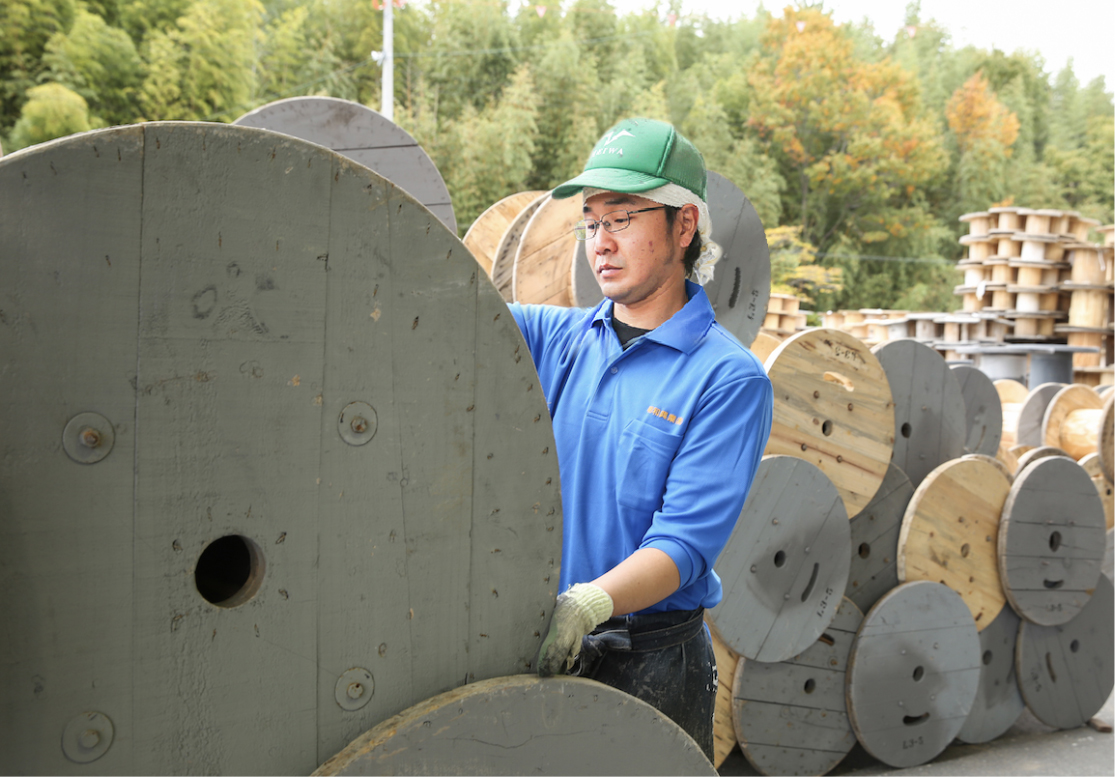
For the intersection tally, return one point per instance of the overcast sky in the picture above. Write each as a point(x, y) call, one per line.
point(1081, 29)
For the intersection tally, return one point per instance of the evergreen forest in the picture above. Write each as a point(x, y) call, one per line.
point(859, 147)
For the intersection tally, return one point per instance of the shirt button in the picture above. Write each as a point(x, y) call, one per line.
point(615, 370)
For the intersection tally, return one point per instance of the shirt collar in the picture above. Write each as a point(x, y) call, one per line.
point(683, 331)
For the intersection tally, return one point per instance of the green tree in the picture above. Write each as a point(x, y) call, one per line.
point(101, 64)
point(25, 28)
point(51, 111)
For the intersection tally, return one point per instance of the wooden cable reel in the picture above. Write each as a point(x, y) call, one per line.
point(1105, 489)
point(875, 530)
point(1050, 546)
point(285, 488)
point(929, 409)
point(785, 565)
point(503, 262)
point(998, 701)
point(484, 236)
point(1032, 414)
point(1031, 455)
point(983, 410)
point(791, 717)
point(949, 533)
point(1012, 395)
point(364, 136)
point(541, 267)
point(525, 725)
point(740, 285)
point(913, 673)
point(833, 408)
point(1065, 672)
point(1073, 420)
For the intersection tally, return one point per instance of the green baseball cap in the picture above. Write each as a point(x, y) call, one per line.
point(637, 155)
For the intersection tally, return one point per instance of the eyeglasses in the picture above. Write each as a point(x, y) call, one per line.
point(616, 221)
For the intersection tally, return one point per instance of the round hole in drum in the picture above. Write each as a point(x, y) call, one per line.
point(1074, 646)
point(826, 428)
point(1055, 540)
point(229, 571)
point(987, 657)
point(810, 685)
point(919, 673)
point(780, 558)
point(906, 429)
point(864, 550)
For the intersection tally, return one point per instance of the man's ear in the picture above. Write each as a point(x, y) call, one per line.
point(687, 222)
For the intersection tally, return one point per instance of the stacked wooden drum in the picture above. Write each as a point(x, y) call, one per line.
point(1037, 270)
point(900, 577)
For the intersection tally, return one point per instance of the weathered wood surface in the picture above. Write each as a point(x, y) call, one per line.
point(833, 408)
point(723, 731)
point(1032, 413)
point(785, 566)
point(254, 287)
point(484, 236)
point(1032, 455)
point(1107, 438)
point(542, 262)
point(740, 286)
point(503, 262)
point(1012, 395)
point(1094, 467)
point(1065, 672)
point(875, 530)
point(929, 410)
point(524, 725)
point(1050, 546)
point(949, 533)
point(998, 701)
point(791, 717)
point(763, 345)
point(1072, 421)
point(983, 411)
point(913, 673)
point(364, 136)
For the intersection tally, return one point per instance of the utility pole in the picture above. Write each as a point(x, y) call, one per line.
point(388, 88)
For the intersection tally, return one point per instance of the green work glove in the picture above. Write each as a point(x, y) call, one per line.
point(578, 611)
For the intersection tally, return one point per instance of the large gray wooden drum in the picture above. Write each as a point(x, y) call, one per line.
point(525, 725)
point(982, 409)
point(913, 673)
point(1050, 547)
point(929, 421)
point(364, 136)
point(1065, 672)
point(791, 717)
point(875, 530)
point(275, 465)
point(785, 566)
point(998, 702)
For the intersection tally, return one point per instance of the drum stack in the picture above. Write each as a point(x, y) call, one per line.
point(968, 573)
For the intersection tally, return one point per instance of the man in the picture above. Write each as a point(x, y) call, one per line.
point(660, 418)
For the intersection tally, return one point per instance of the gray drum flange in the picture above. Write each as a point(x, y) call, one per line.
point(1032, 413)
point(913, 673)
point(524, 725)
point(998, 702)
point(874, 534)
point(785, 566)
point(983, 410)
point(1051, 535)
point(929, 423)
point(249, 286)
point(791, 717)
point(366, 137)
point(1065, 672)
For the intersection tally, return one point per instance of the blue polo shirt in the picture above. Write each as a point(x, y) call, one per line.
point(657, 445)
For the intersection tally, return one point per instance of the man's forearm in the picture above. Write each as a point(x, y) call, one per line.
point(644, 578)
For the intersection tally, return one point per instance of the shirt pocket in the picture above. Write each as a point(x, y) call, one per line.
point(643, 462)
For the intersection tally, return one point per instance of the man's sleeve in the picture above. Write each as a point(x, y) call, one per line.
point(711, 475)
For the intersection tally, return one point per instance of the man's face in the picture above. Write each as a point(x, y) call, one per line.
point(634, 264)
